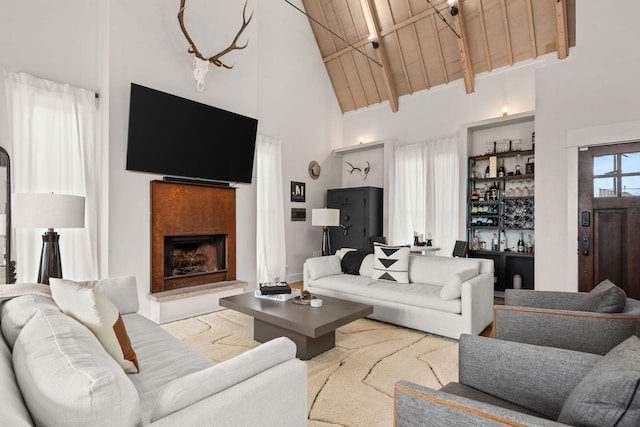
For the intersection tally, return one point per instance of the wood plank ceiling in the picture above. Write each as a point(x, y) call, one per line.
point(417, 50)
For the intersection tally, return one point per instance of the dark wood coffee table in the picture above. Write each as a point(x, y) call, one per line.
point(312, 329)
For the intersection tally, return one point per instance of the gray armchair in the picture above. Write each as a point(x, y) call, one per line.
point(556, 319)
point(508, 383)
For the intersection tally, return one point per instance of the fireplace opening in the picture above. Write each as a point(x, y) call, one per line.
point(194, 255)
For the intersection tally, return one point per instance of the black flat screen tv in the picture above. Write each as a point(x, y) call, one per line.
point(174, 136)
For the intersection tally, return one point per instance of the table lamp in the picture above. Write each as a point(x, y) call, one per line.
point(325, 218)
point(40, 210)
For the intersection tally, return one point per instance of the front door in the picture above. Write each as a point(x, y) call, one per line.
point(609, 217)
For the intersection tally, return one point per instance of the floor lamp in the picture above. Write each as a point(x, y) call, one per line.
point(37, 210)
point(325, 218)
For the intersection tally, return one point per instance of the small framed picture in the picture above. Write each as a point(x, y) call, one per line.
point(298, 214)
point(297, 191)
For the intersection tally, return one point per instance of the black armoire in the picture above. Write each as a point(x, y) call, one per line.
point(360, 216)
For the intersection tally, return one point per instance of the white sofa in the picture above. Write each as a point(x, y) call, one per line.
point(54, 372)
point(417, 304)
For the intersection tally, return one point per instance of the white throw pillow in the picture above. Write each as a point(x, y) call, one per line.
point(323, 266)
point(88, 304)
point(391, 263)
point(452, 289)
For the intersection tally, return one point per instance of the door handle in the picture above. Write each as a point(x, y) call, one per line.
point(585, 245)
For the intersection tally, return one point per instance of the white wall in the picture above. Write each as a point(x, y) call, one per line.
point(279, 78)
point(593, 92)
point(591, 99)
point(56, 41)
point(441, 112)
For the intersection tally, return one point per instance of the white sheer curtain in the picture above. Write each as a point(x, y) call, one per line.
point(54, 146)
point(426, 193)
point(271, 256)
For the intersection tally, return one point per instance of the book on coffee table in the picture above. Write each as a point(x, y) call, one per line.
point(279, 297)
point(273, 288)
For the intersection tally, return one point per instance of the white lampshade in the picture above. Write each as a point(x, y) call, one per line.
point(47, 210)
point(325, 217)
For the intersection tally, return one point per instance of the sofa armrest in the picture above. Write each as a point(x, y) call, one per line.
point(183, 392)
point(417, 406)
point(543, 299)
point(477, 302)
point(537, 378)
point(572, 330)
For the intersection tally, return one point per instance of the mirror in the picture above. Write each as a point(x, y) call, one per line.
point(7, 267)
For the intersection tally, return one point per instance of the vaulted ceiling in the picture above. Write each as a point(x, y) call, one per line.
point(420, 44)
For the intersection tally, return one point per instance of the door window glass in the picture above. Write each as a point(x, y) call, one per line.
point(630, 162)
point(604, 187)
point(630, 186)
point(604, 165)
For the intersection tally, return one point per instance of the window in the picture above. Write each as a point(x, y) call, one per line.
point(616, 175)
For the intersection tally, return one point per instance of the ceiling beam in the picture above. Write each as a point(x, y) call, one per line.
point(562, 32)
point(507, 33)
point(463, 51)
point(371, 17)
point(532, 30)
point(485, 40)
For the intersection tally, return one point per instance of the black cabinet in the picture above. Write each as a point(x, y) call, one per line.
point(360, 216)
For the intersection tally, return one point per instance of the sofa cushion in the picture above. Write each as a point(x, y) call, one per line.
point(452, 289)
point(86, 303)
point(122, 292)
point(19, 310)
point(437, 270)
point(162, 358)
point(391, 263)
point(609, 394)
point(323, 266)
point(604, 298)
point(413, 294)
point(67, 378)
point(186, 390)
point(14, 412)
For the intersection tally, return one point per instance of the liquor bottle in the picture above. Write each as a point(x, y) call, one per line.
point(487, 174)
point(503, 241)
point(501, 172)
point(476, 241)
point(521, 244)
point(494, 242)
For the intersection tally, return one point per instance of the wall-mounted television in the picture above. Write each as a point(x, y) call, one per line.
point(178, 137)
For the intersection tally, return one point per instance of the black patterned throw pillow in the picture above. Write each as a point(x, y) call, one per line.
point(391, 263)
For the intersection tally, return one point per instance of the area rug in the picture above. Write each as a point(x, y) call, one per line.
point(350, 385)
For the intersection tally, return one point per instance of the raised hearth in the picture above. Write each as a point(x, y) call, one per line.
point(193, 235)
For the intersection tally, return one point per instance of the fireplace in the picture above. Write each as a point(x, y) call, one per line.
point(192, 235)
point(193, 255)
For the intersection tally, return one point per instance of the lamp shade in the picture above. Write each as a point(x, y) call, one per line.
point(47, 210)
point(325, 217)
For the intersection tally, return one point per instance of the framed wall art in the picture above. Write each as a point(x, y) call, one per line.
point(297, 191)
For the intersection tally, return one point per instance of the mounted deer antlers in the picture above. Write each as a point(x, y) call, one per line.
point(200, 62)
point(363, 173)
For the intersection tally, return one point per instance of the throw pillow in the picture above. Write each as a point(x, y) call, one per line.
point(452, 289)
point(391, 263)
point(608, 395)
point(323, 266)
point(604, 298)
point(87, 304)
point(352, 260)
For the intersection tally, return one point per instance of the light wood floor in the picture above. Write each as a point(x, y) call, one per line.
point(485, 333)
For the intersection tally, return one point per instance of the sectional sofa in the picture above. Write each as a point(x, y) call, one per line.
point(55, 372)
point(444, 295)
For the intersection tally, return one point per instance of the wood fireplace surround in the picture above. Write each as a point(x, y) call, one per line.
point(188, 210)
